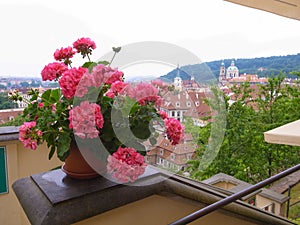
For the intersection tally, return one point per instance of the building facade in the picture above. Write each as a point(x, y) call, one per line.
point(172, 157)
point(17, 162)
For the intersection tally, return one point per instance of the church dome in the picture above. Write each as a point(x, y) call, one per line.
point(232, 67)
point(232, 71)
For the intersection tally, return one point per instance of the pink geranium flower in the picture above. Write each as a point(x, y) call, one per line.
point(142, 90)
point(126, 164)
point(41, 105)
point(174, 130)
point(154, 98)
point(163, 114)
point(64, 54)
point(85, 119)
point(105, 75)
point(30, 135)
point(101, 75)
point(70, 80)
point(116, 88)
point(53, 71)
point(144, 93)
point(84, 46)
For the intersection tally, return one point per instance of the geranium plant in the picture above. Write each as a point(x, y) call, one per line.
point(94, 102)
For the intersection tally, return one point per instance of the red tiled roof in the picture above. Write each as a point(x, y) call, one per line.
point(192, 102)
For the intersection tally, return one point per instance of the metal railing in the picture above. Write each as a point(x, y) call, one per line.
point(210, 208)
point(289, 205)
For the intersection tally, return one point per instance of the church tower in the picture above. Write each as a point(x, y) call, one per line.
point(222, 72)
point(178, 81)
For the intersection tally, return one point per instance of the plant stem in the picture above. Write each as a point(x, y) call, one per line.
point(112, 59)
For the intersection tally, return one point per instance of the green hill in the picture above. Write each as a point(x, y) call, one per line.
point(269, 66)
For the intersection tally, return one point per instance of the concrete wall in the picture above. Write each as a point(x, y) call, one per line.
point(158, 209)
point(21, 162)
point(225, 185)
point(262, 202)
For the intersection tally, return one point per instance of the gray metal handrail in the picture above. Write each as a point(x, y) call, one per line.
point(210, 208)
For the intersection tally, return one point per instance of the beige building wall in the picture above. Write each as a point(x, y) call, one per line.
point(225, 185)
point(158, 209)
point(21, 162)
point(261, 202)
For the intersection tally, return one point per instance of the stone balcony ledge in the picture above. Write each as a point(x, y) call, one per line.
point(51, 198)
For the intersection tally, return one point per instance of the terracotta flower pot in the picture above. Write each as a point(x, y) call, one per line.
point(75, 165)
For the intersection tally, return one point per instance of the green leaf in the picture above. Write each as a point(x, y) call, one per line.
point(51, 152)
point(46, 94)
point(63, 146)
point(103, 62)
point(55, 95)
point(89, 65)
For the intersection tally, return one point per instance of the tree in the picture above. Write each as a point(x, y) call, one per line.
point(35, 83)
point(24, 84)
point(5, 103)
point(243, 152)
point(18, 121)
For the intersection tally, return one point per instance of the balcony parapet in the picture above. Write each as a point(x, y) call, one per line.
point(52, 198)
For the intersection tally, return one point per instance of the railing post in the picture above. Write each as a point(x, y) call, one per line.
point(288, 202)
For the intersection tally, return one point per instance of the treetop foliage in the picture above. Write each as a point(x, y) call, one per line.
point(243, 153)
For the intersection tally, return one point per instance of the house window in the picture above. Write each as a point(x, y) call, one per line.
point(177, 104)
point(270, 207)
point(160, 161)
point(173, 156)
point(161, 152)
point(173, 113)
point(166, 164)
point(252, 201)
point(3, 171)
point(178, 113)
point(188, 104)
point(197, 103)
point(189, 156)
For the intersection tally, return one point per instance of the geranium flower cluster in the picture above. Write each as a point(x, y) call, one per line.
point(70, 80)
point(30, 135)
point(126, 164)
point(53, 71)
point(64, 54)
point(85, 118)
point(174, 130)
point(144, 93)
point(101, 75)
point(84, 46)
point(59, 115)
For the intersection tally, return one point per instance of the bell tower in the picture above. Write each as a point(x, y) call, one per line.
point(178, 81)
point(222, 72)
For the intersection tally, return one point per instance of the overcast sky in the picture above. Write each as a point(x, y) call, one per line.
point(212, 29)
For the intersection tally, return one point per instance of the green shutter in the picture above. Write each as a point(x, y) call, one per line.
point(3, 171)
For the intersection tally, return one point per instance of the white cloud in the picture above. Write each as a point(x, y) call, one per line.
point(212, 29)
